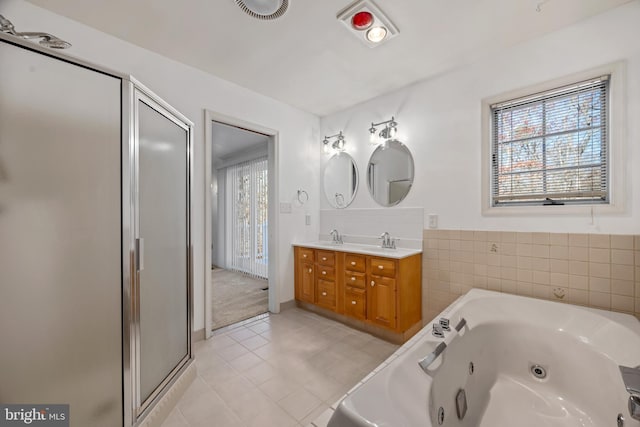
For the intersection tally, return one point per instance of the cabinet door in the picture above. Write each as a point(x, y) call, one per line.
point(381, 301)
point(307, 286)
point(355, 302)
point(326, 294)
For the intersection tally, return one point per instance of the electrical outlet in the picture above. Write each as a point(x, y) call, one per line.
point(307, 219)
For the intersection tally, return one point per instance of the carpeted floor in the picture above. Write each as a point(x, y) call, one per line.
point(236, 297)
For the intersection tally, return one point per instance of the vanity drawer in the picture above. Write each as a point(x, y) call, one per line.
point(326, 293)
point(354, 262)
point(305, 255)
point(383, 267)
point(355, 279)
point(355, 302)
point(326, 258)
point(324, 272)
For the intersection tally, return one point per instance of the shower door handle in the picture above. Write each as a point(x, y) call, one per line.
point(140, 253)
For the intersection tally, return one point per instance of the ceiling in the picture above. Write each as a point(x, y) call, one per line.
point(307, 58)
point(229, 141)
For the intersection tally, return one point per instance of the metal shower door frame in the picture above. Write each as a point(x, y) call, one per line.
point(133, 93)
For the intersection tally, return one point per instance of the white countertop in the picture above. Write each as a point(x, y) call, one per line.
point(397, 253)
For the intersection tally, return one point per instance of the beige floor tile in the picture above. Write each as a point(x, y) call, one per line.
point(299, 404)
point(260, 327)
point(324, 387)
point(232, 352)
point(260, 373)
point(254, 342)
point(203, 407)
point(245, 362)
point(313, 415)
point(323, 419)
point(175, 419)
point(208, 359)
point(278, 387)
point(218, 374)
point(234, 388)
point(219, 341)
point(273, 371)
point(272, 415)
point(219, 415)
point(241, 334)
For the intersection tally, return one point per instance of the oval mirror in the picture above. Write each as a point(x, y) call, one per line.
point(340, 180)
point(390, 173)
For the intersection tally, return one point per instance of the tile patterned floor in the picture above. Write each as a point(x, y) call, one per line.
point(276, 370)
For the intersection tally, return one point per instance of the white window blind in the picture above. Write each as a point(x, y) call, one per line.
point(551, 148)
point(247, 196)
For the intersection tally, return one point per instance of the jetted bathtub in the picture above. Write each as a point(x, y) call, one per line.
point(518, 362)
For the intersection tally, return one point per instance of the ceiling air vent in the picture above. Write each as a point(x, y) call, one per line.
point(264, 9)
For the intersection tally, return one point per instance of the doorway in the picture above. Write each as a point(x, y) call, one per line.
point(240, 202)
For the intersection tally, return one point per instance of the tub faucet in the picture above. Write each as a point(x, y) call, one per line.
point(335, 236)
point(631, 379)
point(387, 241)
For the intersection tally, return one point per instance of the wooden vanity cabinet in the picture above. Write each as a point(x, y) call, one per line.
point(305, 277)
point(355, 296)
point(378, 293)
point(326, 279)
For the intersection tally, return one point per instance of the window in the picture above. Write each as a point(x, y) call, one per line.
point(552, 148)
point(247, 196)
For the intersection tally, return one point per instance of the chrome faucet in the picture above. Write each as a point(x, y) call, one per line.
point(335, 236)
point(387, 241)
point(631, 379)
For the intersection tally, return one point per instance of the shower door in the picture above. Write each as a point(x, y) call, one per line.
point(162, 144)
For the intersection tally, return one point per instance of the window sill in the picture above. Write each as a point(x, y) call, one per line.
point(557, 210)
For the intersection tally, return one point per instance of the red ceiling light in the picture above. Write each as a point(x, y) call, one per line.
point(367, 22)
point(362, 20)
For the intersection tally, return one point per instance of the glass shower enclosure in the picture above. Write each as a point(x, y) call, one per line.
point(95, 238)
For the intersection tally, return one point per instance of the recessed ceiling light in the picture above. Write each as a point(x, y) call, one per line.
point(376, 34)
point(362, 20)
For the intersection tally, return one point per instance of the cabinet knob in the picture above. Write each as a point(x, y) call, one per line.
point(310, 270)
point(353, 302)
point(304, 255)
point(324, 272)
point(373, 283)
point(324, 258)
point(353, 263)
point(381, 267)
point(353, 278)
point(324, 294)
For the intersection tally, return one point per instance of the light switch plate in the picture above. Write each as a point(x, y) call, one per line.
point(307, 219)
point(433, 221)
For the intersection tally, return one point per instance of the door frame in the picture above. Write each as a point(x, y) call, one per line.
point(272, 165)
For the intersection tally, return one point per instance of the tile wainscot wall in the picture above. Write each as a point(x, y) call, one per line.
point(594, 270)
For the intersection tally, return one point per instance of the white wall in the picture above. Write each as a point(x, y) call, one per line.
point(191, 91)
point(440, 122)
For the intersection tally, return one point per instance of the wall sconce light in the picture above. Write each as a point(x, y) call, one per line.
point(388, 132)
point(337, 145)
